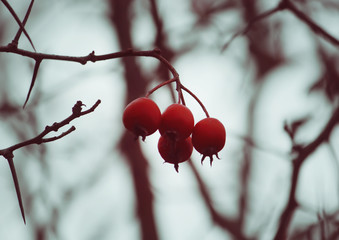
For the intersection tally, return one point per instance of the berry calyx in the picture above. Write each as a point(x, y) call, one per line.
point(209, 137)
point(177, 122)
point(175, 152)
point(142, 117)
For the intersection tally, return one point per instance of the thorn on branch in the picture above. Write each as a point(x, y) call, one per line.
point(16, 185)
point(35, 74)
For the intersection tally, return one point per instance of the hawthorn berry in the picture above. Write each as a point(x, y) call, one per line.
point(177, 122)
point(142, 117)
point(209, 137)
point(175, 152)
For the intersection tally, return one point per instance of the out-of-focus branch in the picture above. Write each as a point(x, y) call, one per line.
point(303, 154)
point(136, 84)
point(312, 230)
point(286, 5)
point(8, 152)
point(160, 41)
point(231, 226)
point(251, 23)
point(308, 21)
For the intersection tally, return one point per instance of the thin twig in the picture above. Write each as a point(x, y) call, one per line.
point(54, 127)
point(15, 41)
point(8, 152)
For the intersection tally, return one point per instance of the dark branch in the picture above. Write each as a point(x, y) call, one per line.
point(8, 152)
point(18, 34)
point(91, 57)
point(22, 27)
point(55, 127)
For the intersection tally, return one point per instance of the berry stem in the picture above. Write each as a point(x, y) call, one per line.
point(178, 89)
point(196, 98)
point(159, 86)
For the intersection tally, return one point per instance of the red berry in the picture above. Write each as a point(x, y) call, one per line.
point(175, 152)
point(177, 122)
point(209, 137)
point(142, 117)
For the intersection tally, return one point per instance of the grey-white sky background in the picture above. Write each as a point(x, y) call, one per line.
point(85, 177)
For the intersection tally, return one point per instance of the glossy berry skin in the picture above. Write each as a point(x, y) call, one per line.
point(177, 122)
point(175, 152)
point(142, 117)
point(209, 137)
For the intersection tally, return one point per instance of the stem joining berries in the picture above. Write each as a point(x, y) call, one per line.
point(176, 125)
point(209, 137)
point(142, 117)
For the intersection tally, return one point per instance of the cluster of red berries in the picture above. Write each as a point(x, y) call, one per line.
point(176, 126)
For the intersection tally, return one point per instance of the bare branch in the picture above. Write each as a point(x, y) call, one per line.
point(18, 34)
point(8, 152)
point(54, 127)
point(22, 27)
point(38, 57)
point(45, 140)
point(92, 57)
point(251, 23)
point(283, 5)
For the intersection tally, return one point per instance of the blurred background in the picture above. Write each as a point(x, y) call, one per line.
point(98, 183)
